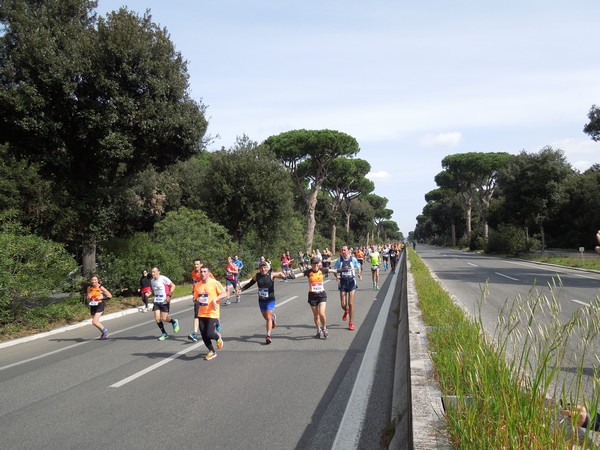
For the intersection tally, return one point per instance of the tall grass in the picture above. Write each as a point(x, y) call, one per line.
point(508, 383)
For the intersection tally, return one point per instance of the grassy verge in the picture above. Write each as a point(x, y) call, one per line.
point(585, 263)
point(502, 402)
point(69, 310)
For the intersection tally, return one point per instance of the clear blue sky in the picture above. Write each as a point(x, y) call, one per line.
point(411, 81)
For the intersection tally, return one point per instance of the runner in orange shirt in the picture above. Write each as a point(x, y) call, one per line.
point(317, 298)
point(208, 293)
point(96, 294)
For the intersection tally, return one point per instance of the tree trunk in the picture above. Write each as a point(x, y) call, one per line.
point(311, 206)
point(89, 259)
point(333, 237)
point(453, 234)
point(469, 213)
point(347, 223)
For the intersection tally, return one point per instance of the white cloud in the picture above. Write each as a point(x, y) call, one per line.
point(446, 140)
point(380, 175)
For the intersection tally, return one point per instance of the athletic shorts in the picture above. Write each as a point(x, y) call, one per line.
point(162, 307)
point(266, 305)
point(97, 308)
point(374, 268)
point(347, 285)
point(360, 261)
point(232, 283)
point(315, 299)
point(386, 258)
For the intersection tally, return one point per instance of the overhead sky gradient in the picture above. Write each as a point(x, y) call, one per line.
point(413, 82)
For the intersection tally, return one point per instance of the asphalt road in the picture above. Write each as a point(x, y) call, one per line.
point(71, 390)
point(484, 285)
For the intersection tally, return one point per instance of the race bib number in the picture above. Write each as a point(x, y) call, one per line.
point(263, 293)
point(93, 303)
point(347, 274)
point(160, 299)
point(317, 287)
point(203, 299)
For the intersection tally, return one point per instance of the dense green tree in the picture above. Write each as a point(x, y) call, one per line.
point(93, 102)
point(380, 212)
point(345, 181)
point(593, 126)
point(246, 189)
point(534, 187)
point(307, 155)
point(474, 176)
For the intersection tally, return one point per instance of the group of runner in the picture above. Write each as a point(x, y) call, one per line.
point(208, 293)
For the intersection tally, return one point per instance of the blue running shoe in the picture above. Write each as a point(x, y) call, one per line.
point(176, 326)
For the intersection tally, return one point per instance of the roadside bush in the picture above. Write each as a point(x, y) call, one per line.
point(122, 261)
point(507, 240)
point(30, 269)
point(187, 235)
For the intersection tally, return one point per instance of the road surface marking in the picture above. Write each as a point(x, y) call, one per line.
point(506, 276)
point(580, 302)
point(155, 366)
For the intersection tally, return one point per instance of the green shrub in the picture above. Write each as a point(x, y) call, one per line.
point(507, 240)
point(121, 262)
point(30, 269)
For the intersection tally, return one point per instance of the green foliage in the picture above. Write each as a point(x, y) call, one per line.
point(593, 126)
point(188, 234)
point(122, 261)
point(30, 269)
point(507, 240)
point(247, 189)
point(93, 103)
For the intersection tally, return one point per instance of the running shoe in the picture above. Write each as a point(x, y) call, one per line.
point(376, 287)
point(144, 310)
point(193, 337)
point(268, 339)
point(176, 326)
point(345, 316)
point(219, 343)
point(274, 318)
point(104, 335)
point(163, 336)
point(237, 298)
point(210, 355)
point(351, 326)
point(227, 302)
point(218, 327)
point(325, 333)
point(318, 335)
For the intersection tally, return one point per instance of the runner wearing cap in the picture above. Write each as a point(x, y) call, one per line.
point(317, 298)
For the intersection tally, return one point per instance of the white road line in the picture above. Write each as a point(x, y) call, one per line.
point(285, 301)
point(471, 264)
point(506, 276)
point(42, 356)
point(53, 352)
point(580, 302)
point(583, 276)
point(155, 366)
point(348, 434)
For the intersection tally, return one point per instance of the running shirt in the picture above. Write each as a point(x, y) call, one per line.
point(315, 279)
point(374, 258)
point(160, 288)
point(95, 295)
point(346, 267)
point(205, 292)
point(266, 287)
point(230, 271)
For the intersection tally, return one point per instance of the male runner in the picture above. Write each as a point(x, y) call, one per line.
point(346, 266)
point(266, 295)
point(162, 288)
point(208, 292)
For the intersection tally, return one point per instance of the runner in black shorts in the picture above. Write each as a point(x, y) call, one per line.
point(317, 298)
